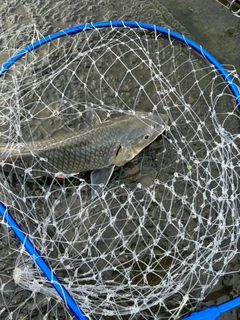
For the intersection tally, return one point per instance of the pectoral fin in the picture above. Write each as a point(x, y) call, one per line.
point(100, 176)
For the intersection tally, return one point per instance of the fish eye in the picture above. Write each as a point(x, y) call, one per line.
point(146, 136)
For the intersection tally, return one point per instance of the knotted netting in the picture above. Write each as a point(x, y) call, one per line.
point(158, 238)
point(232, 5)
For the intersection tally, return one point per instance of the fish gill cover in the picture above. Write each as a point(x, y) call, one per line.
point(162, 232)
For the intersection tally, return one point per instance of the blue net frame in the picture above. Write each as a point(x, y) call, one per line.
point(212, 312)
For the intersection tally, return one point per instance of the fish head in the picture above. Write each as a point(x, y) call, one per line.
point(143, 129)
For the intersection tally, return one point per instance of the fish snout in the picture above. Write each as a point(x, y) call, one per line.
point(161, 118)
point(160, 121)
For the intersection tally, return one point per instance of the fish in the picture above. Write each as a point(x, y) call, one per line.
point(97, 148)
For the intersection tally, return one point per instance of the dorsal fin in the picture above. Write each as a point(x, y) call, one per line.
point(91, 118)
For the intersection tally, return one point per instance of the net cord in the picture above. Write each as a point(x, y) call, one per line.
point(42, 264)
point(68, 32)
point(131, 24)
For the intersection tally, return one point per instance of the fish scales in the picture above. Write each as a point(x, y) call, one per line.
point(92, 148)
point(95, 149)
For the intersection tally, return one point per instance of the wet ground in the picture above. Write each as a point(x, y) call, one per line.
point(205, 22)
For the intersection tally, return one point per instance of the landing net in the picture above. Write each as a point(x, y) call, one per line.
point(159, 237)
point(232, 5)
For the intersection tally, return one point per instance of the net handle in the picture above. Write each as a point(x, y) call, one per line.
point(131, 24)
point(213, 312)
point(42, 264)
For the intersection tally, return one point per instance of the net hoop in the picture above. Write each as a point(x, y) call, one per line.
point(72, 31)
point(130, 24)
point(42, 264)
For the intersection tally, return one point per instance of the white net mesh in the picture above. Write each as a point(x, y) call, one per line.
point(232, 5)
point(159, 237)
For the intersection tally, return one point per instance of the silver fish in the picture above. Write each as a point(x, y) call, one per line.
point(97, 148)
